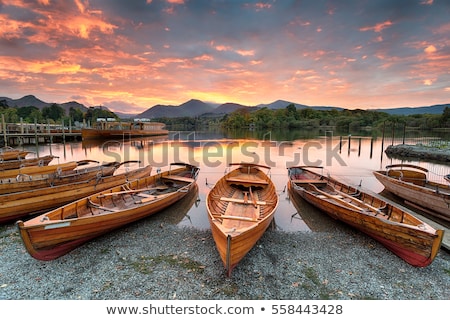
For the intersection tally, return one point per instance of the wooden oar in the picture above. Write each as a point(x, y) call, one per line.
point(118, 164)
point(98, 206)
point(357, 200)
point(253, 198)
point(85, 162)
point(245, 196)
point(154, 198)
point(103, 195)
point(340, 200)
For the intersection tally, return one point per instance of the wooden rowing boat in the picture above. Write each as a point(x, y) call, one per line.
point(8, 153)
point(23, 182)
point(240, 206)
point(27, 162)
point(33, 170)
point(411, 183)
point(63, 229)
point(22, 204)
point(400, 231)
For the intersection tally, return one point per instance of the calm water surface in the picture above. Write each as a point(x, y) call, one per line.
point(352, 163)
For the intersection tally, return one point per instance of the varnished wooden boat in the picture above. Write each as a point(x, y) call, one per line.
point(8, 153)
point(240, 206)
point(411, 183)
point(27, 162)
point(25, 182)
point(33, 170)
point(408, 237)
point(61, 230)
point(123, 130)
point(19, 205)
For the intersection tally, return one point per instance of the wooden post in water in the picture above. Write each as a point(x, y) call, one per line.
point(349, 142)
point(371, 147)
point(63, 131)
point(359, 147)
point(404, 133)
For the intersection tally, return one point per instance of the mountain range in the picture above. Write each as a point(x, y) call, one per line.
point(195, 108)
point(31, 100)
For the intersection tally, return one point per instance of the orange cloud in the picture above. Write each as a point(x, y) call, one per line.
point(246, 52)
point(204, 57)
point(53, 25)
point(222, 48)
point(430, 49)
point(378, 27)
point(45, 67)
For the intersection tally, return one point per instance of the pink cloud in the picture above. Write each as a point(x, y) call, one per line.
point(378, 27)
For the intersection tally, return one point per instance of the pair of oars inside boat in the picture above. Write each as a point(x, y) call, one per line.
point(362, 205)
point(132, 191)
point(252, 197)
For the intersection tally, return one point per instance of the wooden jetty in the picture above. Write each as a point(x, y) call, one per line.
point(15, 134)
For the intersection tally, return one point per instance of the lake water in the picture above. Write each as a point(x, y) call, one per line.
point(350, 159)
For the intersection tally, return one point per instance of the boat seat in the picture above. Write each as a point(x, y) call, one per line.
point(178, 178)
point(331, 196)
point(242, 201)
point(237, 218)
point(315, 182)
point(247, 181)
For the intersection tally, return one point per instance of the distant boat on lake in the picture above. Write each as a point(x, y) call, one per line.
point(109, 128)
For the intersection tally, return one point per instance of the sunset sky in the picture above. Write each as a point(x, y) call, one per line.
point(132, 55)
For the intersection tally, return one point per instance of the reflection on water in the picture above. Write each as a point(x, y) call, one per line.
point(313, 218)
point(178, 212)
point(351, 160)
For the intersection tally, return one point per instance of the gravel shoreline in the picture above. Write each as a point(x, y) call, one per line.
point(154, 259)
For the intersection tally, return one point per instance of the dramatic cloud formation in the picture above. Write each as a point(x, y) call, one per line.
point(131, 55)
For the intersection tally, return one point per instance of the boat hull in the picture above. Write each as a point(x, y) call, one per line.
point(50, 235)
point(233, 247)
point(237, 224)
point(411, 239)
point(432, 201)
point(96, 134)
point(16, 164)
point(33, 170)
point(12, 154)
point(26, 183)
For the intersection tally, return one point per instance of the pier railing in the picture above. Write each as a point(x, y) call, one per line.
point(16, 134)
